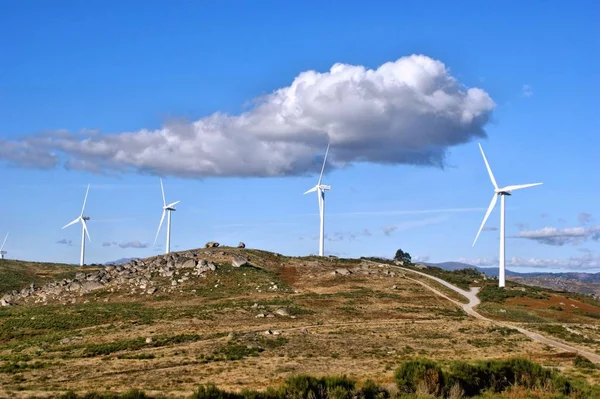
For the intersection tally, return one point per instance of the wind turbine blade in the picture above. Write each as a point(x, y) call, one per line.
point(162, 218)
point(311, 190)
point(162, 189)
point(72, 223)
point(323, 167)
point(487, 165)
point(85, 229)
point(172, 204)
point(85, 199)
point(487, 215)
point(520, 186)
point(4, 242)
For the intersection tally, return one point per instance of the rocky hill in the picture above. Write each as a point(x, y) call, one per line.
point(244, 318)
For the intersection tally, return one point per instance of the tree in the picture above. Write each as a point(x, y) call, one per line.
point(402, 256)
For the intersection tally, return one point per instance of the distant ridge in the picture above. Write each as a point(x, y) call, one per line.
point(493, 272)
point(121, 261)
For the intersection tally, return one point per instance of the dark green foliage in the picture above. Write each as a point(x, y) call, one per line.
point(413, 373)
point(492, 293)
point(402, 256)
point(476, 378)
point(131, 394)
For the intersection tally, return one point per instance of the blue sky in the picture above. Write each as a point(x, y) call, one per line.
point(136, 79)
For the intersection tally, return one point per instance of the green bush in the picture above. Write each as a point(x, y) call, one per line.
point(411, 375)
point(583, 363)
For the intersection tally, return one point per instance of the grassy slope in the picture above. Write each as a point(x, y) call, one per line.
point(15, 275)
point(207, 331)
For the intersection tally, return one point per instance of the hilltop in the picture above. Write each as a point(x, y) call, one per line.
point(245, 318)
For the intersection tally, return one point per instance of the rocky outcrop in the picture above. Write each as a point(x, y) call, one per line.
point(241, 245)
point(138, 277)
point(211, 244)
point(239, 261)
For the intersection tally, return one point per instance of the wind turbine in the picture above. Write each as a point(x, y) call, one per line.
point(320, 189)
point(166, 209)
point(84, 230)
point(2, 251)
point(499, 192)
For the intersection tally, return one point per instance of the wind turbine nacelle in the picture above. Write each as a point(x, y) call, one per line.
point(3, 252)
point(86, 218)
point(502, 192)
point(324, 187)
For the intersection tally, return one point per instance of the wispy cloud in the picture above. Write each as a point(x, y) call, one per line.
point(490, 228)
point(64, 241)
point(133, 244)
point(411, 224)
point(527, 91)
point(407, 212)
point(585, 218)
point(561, 236)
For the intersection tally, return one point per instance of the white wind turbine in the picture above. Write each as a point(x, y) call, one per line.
point(84, 230)
point(502, 192)
point(320, 189)
point(2, 251)
point(166, 209)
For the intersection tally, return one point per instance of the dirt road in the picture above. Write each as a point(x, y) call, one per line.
point(474, 301)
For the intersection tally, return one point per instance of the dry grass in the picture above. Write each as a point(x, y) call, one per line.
point(356, 325)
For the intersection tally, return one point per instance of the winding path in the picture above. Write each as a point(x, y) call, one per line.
point(474, 301)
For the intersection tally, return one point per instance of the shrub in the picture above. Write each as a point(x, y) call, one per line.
point(583, 363)
point(421, 374)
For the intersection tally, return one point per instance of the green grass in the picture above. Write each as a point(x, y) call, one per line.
point(16, 275)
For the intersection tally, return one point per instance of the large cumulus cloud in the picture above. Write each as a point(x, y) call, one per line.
point(409, 111)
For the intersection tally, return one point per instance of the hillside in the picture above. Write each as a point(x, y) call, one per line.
point(583, 283)
point(247, 319)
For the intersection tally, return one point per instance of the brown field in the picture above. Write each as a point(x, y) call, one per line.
point(207, 330)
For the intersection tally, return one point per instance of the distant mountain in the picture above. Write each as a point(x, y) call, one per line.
point(121, 261)
point(585, 283)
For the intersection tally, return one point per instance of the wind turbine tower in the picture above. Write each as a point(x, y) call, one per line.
point(499, 192)
point(84, 230)
point(167, 208)
point(2, 251)
point(320, 189)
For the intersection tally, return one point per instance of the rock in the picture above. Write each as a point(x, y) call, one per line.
point(90, 286)
point(395, 287)
point(270, 315)
point(211, 244)
point(255, 306)
point(230, 336)
point(238, 261)
point(149, 340)
point(241, 245)
point(4, 302)
point(276, 332)
point(268, 332)
point(282, 312)
point(342, 271)
point(151, 290)
point(187, 264)
point(260, 315)
point(304, 330)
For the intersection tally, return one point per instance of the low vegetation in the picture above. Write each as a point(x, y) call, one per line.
point(414, 379)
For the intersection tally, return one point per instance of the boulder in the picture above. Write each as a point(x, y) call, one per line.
point(282, 312)
point(151, 290)
point(241, 245)
point(238, 261)
point(90, 286)
point(211, 244)
point(342, 271)
point(186, 264)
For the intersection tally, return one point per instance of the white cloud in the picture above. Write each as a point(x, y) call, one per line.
point(133, 244)
point(561, 236)
point(388, 230)
point(409, 111)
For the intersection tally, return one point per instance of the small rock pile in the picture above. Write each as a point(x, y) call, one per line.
point(139, 276)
